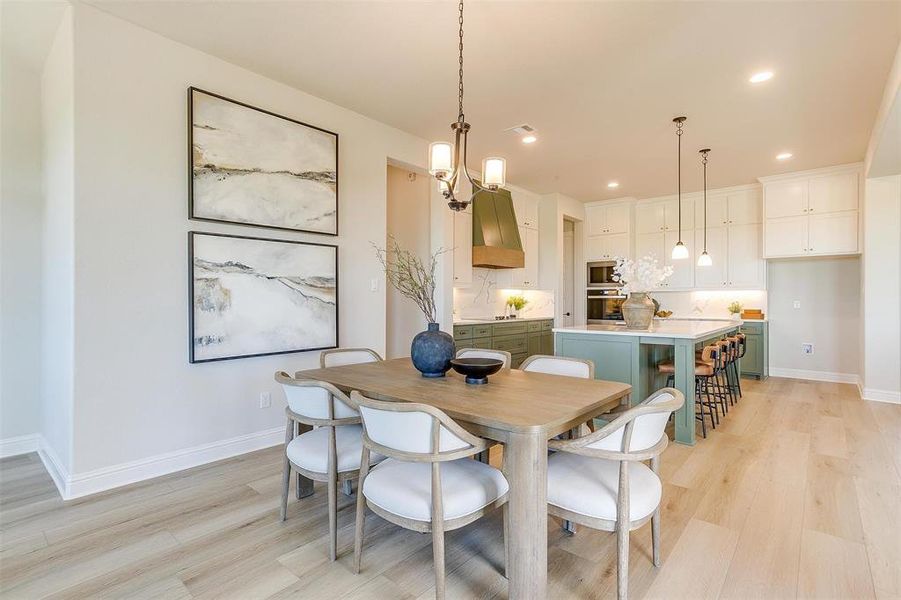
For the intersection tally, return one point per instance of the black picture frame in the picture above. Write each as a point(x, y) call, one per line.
point(191, 307)
point(191, 213)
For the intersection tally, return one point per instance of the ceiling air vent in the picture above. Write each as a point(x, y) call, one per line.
point(523, 129)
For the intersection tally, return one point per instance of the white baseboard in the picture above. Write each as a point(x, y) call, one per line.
point(881, 395)
point(99, 480)
point(58, 472)
point(22, 444)
point(815, 375)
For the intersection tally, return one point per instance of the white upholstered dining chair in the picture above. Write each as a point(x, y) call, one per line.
point(331, 452)
point(559, 365)
point(426, 484)
point(600, 480)
point(501, 355)
point(337, 357)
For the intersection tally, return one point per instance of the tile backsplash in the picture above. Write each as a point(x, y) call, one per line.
point(483, 299)
point(709, 303)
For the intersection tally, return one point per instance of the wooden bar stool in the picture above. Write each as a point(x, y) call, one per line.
point(705, 371)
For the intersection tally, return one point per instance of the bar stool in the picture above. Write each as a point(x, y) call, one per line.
point(705, 372)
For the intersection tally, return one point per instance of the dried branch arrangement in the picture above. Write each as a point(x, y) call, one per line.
point(410, 276)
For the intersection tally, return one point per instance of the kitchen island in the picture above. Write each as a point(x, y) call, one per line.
point(631, 356)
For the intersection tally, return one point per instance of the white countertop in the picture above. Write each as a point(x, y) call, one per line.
point(493, 320)
point(691, 318)
point(680, 328)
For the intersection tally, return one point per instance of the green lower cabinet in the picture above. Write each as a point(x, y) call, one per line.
point(521, 339)
point(547, 343)
point(755, 361)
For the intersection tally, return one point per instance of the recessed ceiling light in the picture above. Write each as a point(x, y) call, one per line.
point(783, 156)
point(613, 184)
point(761, 77)
point(529, 139)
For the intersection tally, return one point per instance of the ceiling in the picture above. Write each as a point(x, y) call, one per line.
point(601, 81)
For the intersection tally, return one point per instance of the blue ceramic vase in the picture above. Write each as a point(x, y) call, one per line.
point(432, 351)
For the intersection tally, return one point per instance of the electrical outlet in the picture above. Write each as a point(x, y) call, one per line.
point(796, 304)
point(807, 348)
point(265, 400)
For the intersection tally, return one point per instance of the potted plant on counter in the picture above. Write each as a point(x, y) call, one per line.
point(638, 277)
point(516, 304)
point(433, 349)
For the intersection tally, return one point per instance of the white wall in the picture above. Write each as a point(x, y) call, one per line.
point(829, 318)
point(408, 216)
point(57, 293)
point(138, 403)
point(882, 290)
point(20, 248)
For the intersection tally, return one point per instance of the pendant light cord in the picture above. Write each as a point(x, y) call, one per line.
point(704, 154)
point(679, 168)
point(460, 98)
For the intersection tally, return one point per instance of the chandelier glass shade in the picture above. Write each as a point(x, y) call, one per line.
point(447, 161)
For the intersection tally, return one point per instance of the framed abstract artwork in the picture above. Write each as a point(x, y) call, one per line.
point(253, 167)
point(254, 297)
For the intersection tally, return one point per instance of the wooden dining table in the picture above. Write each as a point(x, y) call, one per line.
point(521, 410)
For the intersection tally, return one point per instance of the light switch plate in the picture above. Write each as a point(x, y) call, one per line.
point(796, 304)
point(373, 285)
point(265, 400)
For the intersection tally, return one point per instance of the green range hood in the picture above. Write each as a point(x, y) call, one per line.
point(495, 235)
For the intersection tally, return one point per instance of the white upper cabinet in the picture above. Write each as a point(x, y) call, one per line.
point(526, 209)
point(609, 247)
point(786, 236)
point(744, 207)
point(832, 233)
point(785, 199)
point(601, 219)
point(717, 211)
point(814, 213)
point(745, 267)
point(649, 218)
point(671, 214)
point(462, 248)
point(832, 193)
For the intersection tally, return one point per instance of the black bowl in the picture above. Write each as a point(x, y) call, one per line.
point(476, 370)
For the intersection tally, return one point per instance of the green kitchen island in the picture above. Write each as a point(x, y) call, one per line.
point(631, 356)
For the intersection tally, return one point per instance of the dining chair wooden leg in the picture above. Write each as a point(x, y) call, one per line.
point(361, 510)
point(655, 519)
point(622, 533)
point(348, 487)
point(438, 532)
point(506, 542)
point(286, 474)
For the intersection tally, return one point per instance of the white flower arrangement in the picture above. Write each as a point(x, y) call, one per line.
point(640, 276)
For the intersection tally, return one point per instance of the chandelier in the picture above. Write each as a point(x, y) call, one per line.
point(447, 161)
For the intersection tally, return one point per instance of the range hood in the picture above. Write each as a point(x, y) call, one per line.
point(495, 235)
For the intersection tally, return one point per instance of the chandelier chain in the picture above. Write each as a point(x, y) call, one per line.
point(460, 98)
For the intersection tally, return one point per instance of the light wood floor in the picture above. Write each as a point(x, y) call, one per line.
point(797, 494)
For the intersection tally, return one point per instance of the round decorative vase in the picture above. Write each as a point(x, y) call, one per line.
point(432, 351)
point(638, 311)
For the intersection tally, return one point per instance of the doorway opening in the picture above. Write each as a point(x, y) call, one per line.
point(568, 289)
point(409, 222)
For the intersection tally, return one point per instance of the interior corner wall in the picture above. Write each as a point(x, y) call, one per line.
point(57, 293)
point(20, 248)
point(882, 290)
point(140, 408)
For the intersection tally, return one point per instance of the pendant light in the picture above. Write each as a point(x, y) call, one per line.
point(447, 160)
point(680, 251)
point(704, 260)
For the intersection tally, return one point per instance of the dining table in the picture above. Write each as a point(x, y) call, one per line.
point(521, 410)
